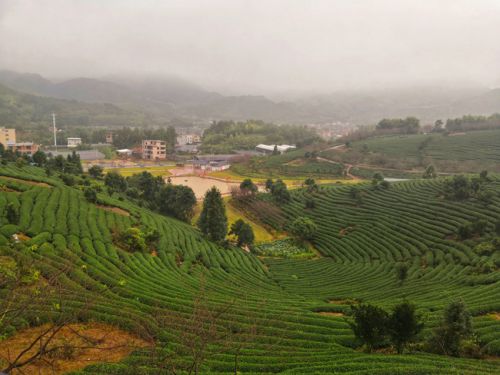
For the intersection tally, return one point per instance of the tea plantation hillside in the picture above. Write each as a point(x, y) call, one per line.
point(138, 291)
point(459, 152)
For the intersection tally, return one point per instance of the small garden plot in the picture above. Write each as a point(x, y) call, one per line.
point(285, 248)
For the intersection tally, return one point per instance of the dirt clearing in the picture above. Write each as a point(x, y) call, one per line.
point(81, 345)
point(114, 209)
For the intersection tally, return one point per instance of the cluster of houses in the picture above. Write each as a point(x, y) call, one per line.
point(8, 140)
point(151, 149)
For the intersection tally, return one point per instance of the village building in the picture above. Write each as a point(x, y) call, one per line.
point(211, 165)
point(124, 153)
point(7, 136)
point(109, 137)
point(154, 149)
point(269, 149)
point(25, 148)
point(188, 139)
point(74, 142)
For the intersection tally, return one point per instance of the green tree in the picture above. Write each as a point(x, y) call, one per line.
point(96, 171)
point(39, 158)
point(213, 220)
point(303, 228)
point(458, 188)
point(90, 194)
point(377, 178)
point(177, 201)
point(269, 185)
point(483, 175)
point(73, 164)
point(401, 272)
point(247, 187)
point(404, 325)
point(454, 328)
point(280, 192)
point(115, 181)
point(369, 325)
point(243, 231)
point(430, 172)
point(133, 239)
point(171, 139)
point(20, 162)
point(310, 203)
point(310, 185)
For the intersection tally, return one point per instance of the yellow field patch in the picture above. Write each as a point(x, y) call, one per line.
point(290, 182)
point(154, 170)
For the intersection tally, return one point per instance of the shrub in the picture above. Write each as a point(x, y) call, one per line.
point(303, 228)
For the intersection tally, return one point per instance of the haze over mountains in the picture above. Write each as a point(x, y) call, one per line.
point(176, 98)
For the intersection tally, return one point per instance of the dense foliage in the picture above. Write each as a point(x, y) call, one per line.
point(228, 136)
point(409, 125)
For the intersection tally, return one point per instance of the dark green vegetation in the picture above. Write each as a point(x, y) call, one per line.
point(213, 220)
point(465, 152)
point(227, 136)
point(268, 321)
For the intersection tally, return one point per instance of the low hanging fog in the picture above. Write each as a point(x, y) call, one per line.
point(258, 46)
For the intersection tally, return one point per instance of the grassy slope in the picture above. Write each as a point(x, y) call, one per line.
point(291, 338)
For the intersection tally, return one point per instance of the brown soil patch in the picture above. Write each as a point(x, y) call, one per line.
point(23, 237)
point(26, 182)
point(342, 301)
point(345, 231)
point(5, 189)
point(88, 343)
point(331, 313)
point(495, 315)
point(116, 210)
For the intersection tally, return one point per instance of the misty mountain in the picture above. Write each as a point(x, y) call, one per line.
point(21, 109)
point(171, 97)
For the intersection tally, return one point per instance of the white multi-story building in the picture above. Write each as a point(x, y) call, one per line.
point(74, 142)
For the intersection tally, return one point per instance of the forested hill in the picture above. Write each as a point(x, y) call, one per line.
point(20, 109)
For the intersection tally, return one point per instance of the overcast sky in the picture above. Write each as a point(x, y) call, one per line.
point(258, 45)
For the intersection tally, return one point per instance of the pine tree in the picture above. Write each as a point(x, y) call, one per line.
point(213, 219)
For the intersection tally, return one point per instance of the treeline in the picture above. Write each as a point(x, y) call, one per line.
point(409, 125)
point(152, 192)
point(376, 328)
point(469, 122)
point(227, 136)
point(124, 137)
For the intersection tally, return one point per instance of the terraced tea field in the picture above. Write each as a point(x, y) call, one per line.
point(461, 152)
point(272, 305)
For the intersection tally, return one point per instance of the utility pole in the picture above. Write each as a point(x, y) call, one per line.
point(54, 128)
